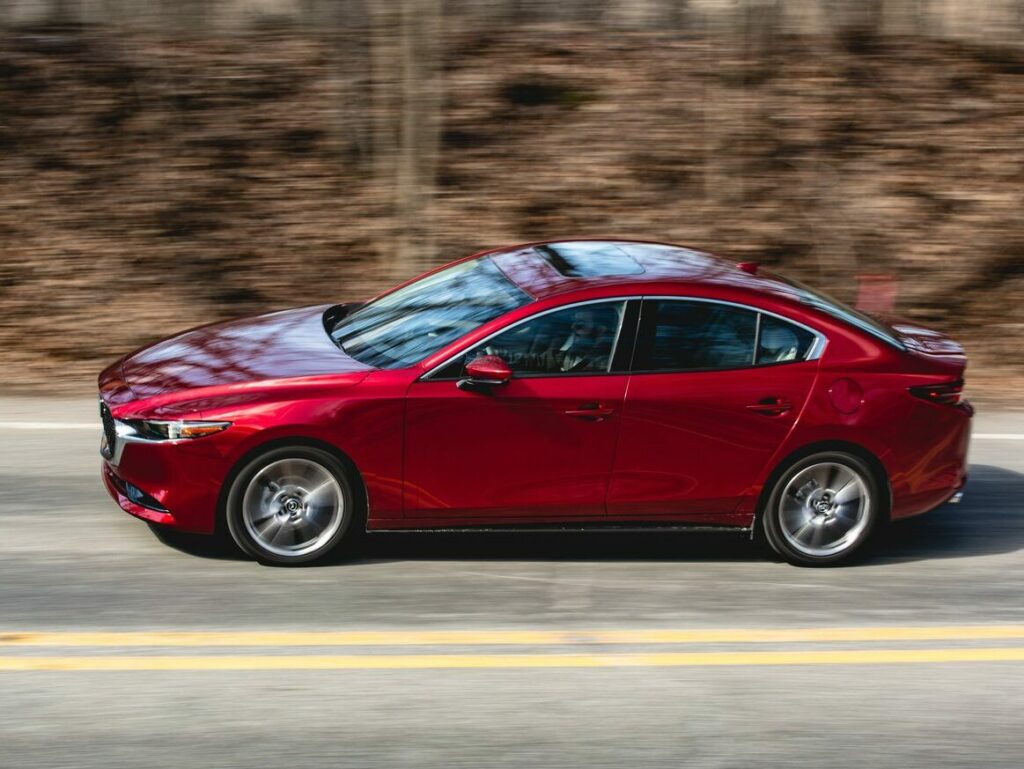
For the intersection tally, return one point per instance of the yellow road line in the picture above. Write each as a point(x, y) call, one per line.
point(510, 637)
point(499, 661)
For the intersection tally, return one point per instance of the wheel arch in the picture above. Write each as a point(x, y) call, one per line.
point(878, 470)
point(278, 442)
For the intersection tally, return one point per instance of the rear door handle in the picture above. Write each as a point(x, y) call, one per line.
point(771, 407)
point(594, 412)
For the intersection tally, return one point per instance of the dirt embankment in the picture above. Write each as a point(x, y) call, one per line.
point(149, 183)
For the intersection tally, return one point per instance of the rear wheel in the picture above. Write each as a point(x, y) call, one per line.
point(292, 505)
point(823, 509)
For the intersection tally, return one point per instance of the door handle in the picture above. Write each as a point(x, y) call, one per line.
point(771, 407)
point(594, 412)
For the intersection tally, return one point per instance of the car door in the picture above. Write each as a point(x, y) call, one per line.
point(715, 390)
point(537, 448)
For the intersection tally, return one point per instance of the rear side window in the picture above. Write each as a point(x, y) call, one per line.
point(691, 335)
point(679, 335)
point(781, 342)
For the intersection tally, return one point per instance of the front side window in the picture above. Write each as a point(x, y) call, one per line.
point(405, 326)
point(576, 340)
point(679, 335)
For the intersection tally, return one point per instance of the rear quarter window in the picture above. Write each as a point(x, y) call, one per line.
point(782, 342)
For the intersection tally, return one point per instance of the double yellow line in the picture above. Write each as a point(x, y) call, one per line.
point(511, 637)
point(374, 640)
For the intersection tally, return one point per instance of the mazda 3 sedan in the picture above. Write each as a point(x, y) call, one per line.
point(563, 385)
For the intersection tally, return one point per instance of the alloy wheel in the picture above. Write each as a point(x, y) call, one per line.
point(292, 507)
point(824, 509)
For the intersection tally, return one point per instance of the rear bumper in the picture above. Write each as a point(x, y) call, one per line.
point(937, 474)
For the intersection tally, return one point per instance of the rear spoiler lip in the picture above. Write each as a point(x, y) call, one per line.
point(917, 338)
point(929, 343)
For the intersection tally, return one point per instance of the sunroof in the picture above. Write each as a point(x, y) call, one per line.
point(589, 260)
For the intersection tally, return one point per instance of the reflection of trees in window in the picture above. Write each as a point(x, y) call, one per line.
point(407, 325)
point(578, 339)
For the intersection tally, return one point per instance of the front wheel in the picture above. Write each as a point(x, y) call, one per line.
point(292, 505)
point(823, 509)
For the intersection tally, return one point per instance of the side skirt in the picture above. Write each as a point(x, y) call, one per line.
point(559, 528)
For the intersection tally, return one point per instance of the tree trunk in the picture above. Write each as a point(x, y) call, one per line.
point(351, 45)
point(418, 140)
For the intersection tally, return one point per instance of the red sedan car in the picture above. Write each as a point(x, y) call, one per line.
point(560, 385)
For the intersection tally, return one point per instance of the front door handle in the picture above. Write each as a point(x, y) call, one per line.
point(593, 412)
point(771, 407)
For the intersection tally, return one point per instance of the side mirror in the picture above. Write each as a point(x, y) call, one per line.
point(485, 372)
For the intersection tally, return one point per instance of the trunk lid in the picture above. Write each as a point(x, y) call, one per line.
point(925, 340)
point(935, 353)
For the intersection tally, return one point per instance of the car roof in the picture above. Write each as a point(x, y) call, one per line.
point(548, 268)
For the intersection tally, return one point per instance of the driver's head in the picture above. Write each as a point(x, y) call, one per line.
point(584, 323)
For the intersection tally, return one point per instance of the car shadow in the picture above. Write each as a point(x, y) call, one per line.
point(199, 545)
point(989, 520)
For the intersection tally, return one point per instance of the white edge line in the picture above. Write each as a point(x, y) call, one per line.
point(50, 426)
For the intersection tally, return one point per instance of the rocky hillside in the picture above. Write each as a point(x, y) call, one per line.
point(149, 183)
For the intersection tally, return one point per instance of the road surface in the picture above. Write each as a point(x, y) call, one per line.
point(120, 649)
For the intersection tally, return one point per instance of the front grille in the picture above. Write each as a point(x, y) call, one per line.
point(109, 429)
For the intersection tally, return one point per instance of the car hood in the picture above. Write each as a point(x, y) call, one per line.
point(278, 345)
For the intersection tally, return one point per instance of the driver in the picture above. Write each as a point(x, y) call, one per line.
point(585, 346)
point(588, 346)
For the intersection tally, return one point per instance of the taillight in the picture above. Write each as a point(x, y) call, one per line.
point(946, 393)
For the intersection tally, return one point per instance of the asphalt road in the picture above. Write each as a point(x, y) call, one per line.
point(120, 649)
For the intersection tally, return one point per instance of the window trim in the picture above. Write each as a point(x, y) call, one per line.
point(634, 321)
point(815, 351)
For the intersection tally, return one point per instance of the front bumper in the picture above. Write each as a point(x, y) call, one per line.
point(180, 480)
point(117, 488)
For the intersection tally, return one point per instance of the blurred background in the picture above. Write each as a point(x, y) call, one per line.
point(165, 163)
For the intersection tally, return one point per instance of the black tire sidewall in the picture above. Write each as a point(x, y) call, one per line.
point(773, 527)
point(233, 505)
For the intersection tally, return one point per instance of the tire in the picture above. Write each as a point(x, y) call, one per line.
point(824, 509)
point(294, 505)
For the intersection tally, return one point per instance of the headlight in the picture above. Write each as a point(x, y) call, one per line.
point(159, 430)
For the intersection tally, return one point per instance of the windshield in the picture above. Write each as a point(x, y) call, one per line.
point(831, 306)
point(407, 325)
